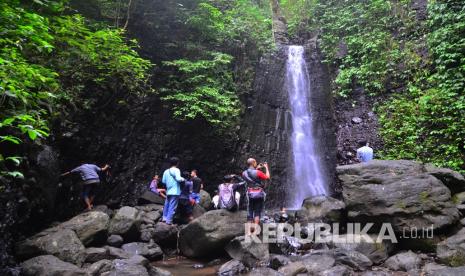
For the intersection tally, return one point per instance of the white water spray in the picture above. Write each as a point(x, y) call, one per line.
point(308, 176)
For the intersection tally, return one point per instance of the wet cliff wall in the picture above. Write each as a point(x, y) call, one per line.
point(266, 126)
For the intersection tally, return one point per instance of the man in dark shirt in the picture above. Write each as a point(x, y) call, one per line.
point(90, 180)
point(197, 186)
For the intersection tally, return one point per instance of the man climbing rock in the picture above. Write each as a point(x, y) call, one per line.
point(90, 181)
point(255, 189)
point(364, 153)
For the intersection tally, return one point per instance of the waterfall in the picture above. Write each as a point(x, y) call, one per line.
point(307, 171)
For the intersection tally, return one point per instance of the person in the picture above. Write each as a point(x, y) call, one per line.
point(172, 179)
point(364, 153)
point(215, 199)
point(90, 180)
point(197, 186)
point(228, 196)
point(154, 187)
point(255, 189)
point(186, 201)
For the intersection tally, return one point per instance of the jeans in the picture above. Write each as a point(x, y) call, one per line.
point(171, 203)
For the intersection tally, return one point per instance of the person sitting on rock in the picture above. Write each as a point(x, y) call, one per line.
point(255, 189)
point(228, 196)
point(90, 180)
point(197, 186)
point(185, 198)
point(154, 187)
point(172, 179)
point(364, 153)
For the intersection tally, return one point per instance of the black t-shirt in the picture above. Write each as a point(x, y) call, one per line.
point(197, 183)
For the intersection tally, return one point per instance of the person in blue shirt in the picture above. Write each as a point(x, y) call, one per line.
point(364, 153)
point(90, 180)
point(172, 179)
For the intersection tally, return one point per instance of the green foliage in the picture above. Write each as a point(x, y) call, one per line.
point(48, 60)
point(232, 24)
point(428, 122)
point(204, 89)
point(358, 39)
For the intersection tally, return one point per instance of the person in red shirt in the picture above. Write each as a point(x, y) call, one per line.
point(255, 188)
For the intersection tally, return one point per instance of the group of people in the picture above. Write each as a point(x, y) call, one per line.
point(183, 191)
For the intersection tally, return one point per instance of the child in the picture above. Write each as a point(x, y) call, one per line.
point(154, 187)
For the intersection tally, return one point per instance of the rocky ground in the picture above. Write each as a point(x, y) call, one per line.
point(406, 194)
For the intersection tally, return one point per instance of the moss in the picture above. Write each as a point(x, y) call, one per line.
point(457, 259)
point(424, 196)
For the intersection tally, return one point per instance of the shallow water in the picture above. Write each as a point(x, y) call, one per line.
point(181, 266)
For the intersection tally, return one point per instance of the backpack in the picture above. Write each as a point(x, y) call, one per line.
point(255, 186)
point(227, 198)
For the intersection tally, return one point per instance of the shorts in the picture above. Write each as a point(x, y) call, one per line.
point(255, 208)
point(196, 197)
point(88, 190)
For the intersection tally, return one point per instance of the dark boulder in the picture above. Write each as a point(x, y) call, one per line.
point(63, 244)
point(398, 192)
point(151, 251)
point(451, 251)
point(322, 208)
point(126, 223)
point(48, 265)
point(249, 253)
point(209, 233)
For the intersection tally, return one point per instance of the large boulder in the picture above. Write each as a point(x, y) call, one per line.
point(322, 208)
point(149, 197)
point(151, 251)
point(248, 252)
point(63, 244)
point(125, 223)
point(405, 261)
point(231, 268)
point(205, 200)
point(376, 252)
point(49, 265)
point(90, 227)
point(100, 267)
point(401, 192)
point(451, 251)
point(209, 233)
point(165, 235)
point(433, 269)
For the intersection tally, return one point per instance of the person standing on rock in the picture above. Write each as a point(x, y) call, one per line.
point(364, 153)
point(90, 180)
point(255, 189)
point(197, 186)
point(172, 179)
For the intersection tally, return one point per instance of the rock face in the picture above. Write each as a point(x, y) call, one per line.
point(452, 179)
point(89, 227)
point(452, 250)
point(249, 253)
point(324, 208)
point(150, 251)
point(48, 265)
point(63, 244)
point(400, 192)
point(208, 234)
point(403, 261)
point(125, 223)
point(231, 268)
point(376, 252)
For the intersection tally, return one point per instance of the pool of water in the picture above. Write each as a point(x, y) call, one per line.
point(182, 266)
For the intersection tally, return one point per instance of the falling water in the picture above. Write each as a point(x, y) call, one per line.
point(308, 175)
